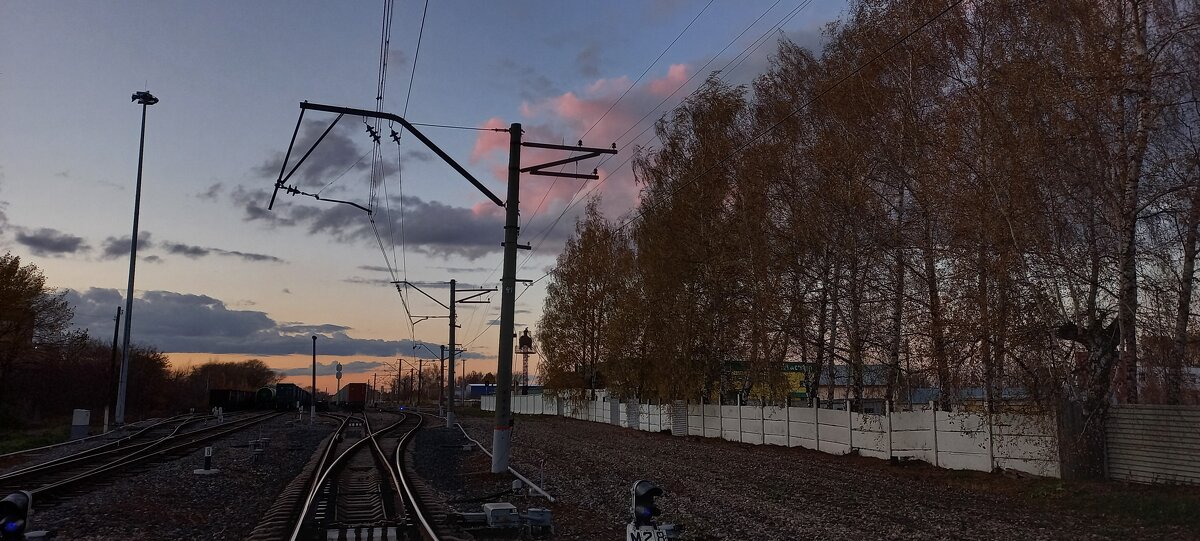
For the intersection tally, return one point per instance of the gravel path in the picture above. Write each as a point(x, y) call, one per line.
point(168, 501)
point(726, 490)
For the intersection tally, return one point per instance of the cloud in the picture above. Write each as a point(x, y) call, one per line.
point(531, 83)
point(339, 153)
point(676, 76)
point(195, 252)
point(418, 155)
point(300, 328)
point(429, 227)
point(51, 242)
point(213, 192)
point(374, 268)
point(358, 280)
point(116, 247)
point(179, 322)
point(328, 369)
point(588, 60)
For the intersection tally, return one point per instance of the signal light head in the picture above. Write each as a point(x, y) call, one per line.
point(14, 512)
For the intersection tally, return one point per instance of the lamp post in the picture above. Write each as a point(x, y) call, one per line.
point(145, 99)
point(312, 414)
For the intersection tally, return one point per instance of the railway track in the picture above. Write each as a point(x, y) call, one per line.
point(357, 489)
point(63, 477)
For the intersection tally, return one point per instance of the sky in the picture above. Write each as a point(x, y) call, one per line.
point(221, 277)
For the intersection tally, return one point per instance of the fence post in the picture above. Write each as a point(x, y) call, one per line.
point(787, 424)
point(849, 426)
point(887, 408)
point(933, 410)
point(739, 410)
point(991, 448)
point(703, 424)
point(816, 405)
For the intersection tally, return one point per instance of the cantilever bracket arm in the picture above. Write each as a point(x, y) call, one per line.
point(478, 293)
point(304, 105)
point(421, 291)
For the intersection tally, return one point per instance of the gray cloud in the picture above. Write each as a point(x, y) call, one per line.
point(418, 155)
point(327, 369)
point(195, 252)
point(533, 85)
point(339, 153)
point(51, 242)
point(178, 322)
point(588, 60)
point(213, 192)
point(366, 281)
point(374, 268)
point(115, 247)
point(430, 227)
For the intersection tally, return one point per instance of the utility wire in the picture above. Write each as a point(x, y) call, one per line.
point(647, 70)
point(754, 139)
point(400, 164)
point(575, 199)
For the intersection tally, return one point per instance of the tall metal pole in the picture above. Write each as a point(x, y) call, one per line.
point(442, 382)
point(111, 393)
point(312, 410)
point(502, 433)
point(450, 375)
point(146, 100)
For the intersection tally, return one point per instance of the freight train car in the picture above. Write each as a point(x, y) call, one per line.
point(230, 399)
point(352, 397)
point(282, 396)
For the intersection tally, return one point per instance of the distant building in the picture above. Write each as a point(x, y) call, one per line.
point(476, 390)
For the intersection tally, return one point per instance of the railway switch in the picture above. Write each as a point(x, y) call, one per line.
point(14, 513)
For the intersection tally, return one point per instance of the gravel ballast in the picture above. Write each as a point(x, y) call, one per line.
point(725, 490)
point(168, 501)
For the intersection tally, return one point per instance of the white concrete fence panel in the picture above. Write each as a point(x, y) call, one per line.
point(956, 440)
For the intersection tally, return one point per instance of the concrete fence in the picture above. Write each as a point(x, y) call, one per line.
point(956, 440)
point(1154, 444)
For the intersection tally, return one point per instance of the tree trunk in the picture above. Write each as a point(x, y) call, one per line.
point(1183, 311)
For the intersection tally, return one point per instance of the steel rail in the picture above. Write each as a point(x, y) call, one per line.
point(99, 451)
point(328, 466)
point(142, 454)
point(414, 505)
point(92, 437)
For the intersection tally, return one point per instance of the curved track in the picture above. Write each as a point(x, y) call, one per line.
point(61, 477)
point(359, 491)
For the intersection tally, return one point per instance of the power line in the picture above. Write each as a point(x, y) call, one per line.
point(575, 199)
point(754, 139)
point(400, 166)
point(647, 70)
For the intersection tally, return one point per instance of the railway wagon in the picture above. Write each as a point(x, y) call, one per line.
point(282, 396)
point(352, 397)
point(231, 399)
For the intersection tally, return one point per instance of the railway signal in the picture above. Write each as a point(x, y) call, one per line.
point(14, 513)
point(643, 527)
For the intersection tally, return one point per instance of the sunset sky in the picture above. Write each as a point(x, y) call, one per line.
point(221, 278)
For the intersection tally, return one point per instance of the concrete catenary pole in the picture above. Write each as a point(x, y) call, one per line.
point(450, 374)
point(312, 409)
point(502, 432)
point(146, 100)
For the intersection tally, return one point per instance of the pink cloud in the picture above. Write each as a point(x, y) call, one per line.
point(677, 75)
point(563, 119)
point(490, 141)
